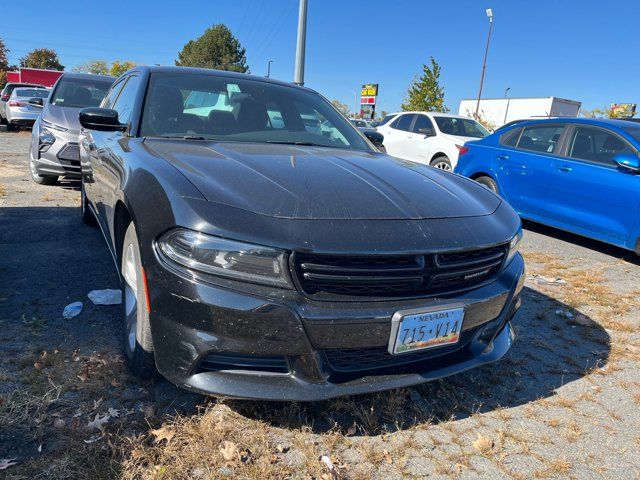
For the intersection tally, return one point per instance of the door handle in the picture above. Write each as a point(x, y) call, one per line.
point(563, 168)
point(503, 157)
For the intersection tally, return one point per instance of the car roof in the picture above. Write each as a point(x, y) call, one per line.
point(439, 114)
point(216, 73)
point(603, 122)
point(88, 76)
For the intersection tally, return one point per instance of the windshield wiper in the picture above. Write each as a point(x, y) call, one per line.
point(303, 144)
point(184, 137)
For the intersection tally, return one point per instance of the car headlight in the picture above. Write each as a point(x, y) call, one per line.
point(45, 139)
point(514, 245)
point(225, 258)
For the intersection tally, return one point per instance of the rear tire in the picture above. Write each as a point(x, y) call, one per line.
point(12, 127)
point(442, 162)
point(488, 182)
point(37, 178)
point(136, 338)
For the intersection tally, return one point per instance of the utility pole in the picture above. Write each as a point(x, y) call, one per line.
point(484, 63)
point(301, 44)
point(269, 68)
point(355, 104)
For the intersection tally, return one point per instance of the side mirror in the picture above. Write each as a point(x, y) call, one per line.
point(36, 102)
point(374, 137)
point(626, 160)
point(427, 132)
point(103, 119)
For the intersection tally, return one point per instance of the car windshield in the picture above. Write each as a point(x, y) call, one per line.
point(462, 127)
point(80, 92)
point(202, 106)
point(31, 93)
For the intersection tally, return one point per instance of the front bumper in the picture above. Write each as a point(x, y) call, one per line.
point(193, 322)
point(62, 158)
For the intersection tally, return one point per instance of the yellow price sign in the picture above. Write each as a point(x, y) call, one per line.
point(369, 90)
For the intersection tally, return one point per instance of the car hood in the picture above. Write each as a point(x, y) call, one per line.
point(299, 182)
point(66, 117)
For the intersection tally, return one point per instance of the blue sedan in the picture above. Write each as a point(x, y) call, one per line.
point(577, 174)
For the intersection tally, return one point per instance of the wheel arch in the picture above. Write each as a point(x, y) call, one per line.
point(121, 219)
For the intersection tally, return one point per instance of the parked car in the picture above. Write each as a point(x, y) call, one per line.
point(54, 150)
point(579, 175)
point(360, 123)
point(430, 138)
point(20, 113)
point(6, 93)
point(282, 264)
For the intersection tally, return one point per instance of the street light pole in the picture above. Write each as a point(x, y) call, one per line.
point(506, 110)
point(269, 68)
point(355, 104)
point(484, 63)
point(301, 44)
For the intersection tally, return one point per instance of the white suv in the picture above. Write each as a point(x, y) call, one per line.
point(429, 137)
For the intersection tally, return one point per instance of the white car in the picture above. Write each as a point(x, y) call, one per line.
point(429, 137)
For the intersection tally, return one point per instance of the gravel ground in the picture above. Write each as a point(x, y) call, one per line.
point(562, 404)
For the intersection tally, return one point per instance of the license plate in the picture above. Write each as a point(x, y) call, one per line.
point(425, 328)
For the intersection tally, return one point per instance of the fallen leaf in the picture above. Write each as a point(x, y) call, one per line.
point(115, 383)
point(351, 430)
point(6, 463)
point(94, 438)
point(282, 449)
point(113, 412)
point(84, 376)
point(98, 422)
point(97, 403)
point(483, 444)
point(387, 456)
point(37, 366)
point(59, 423)
point(229, 451)
point(164, 433)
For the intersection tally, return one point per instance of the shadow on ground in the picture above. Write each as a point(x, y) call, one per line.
point(601, 247)
point(49, 259)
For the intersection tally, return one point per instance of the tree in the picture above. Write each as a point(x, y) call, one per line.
point(41, 58)
point(216, 48)
point(341, 106)
point(425, 92)
point(98, 67)
point(118, 68)
point(4, 63)
point(383, 113)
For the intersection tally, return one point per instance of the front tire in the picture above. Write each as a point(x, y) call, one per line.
point(40, 179)
point(488, 182)
point(136, 339)
point(442, 162)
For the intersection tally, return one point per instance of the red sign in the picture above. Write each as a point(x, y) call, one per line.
point(367, 100)
point(37, 76)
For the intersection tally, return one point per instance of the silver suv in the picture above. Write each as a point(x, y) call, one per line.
point(54, 148)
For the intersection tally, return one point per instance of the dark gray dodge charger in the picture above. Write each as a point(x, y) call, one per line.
point(268, 250)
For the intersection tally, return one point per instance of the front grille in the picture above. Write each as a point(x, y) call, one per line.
point(397, 275)
point(71, 151)
point(371, 359)
point(216, 362)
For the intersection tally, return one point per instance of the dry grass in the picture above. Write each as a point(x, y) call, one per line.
point(3, 190)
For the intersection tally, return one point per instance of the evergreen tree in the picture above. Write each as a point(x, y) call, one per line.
point(425, 93)
point(216, 48)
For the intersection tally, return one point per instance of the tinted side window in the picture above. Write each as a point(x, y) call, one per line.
point(110, 99)
point(403, 122)
point(422, 122)
point(597, 145)
point(540, 138)
point(125, 102)
point(386, 119)
point(510, 138)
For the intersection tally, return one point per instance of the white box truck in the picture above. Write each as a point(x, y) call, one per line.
point(498, 111)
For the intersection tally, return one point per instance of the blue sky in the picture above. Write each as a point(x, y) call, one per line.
point(583, 50)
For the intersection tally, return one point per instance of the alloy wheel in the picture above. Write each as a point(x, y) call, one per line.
point(443, 166)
